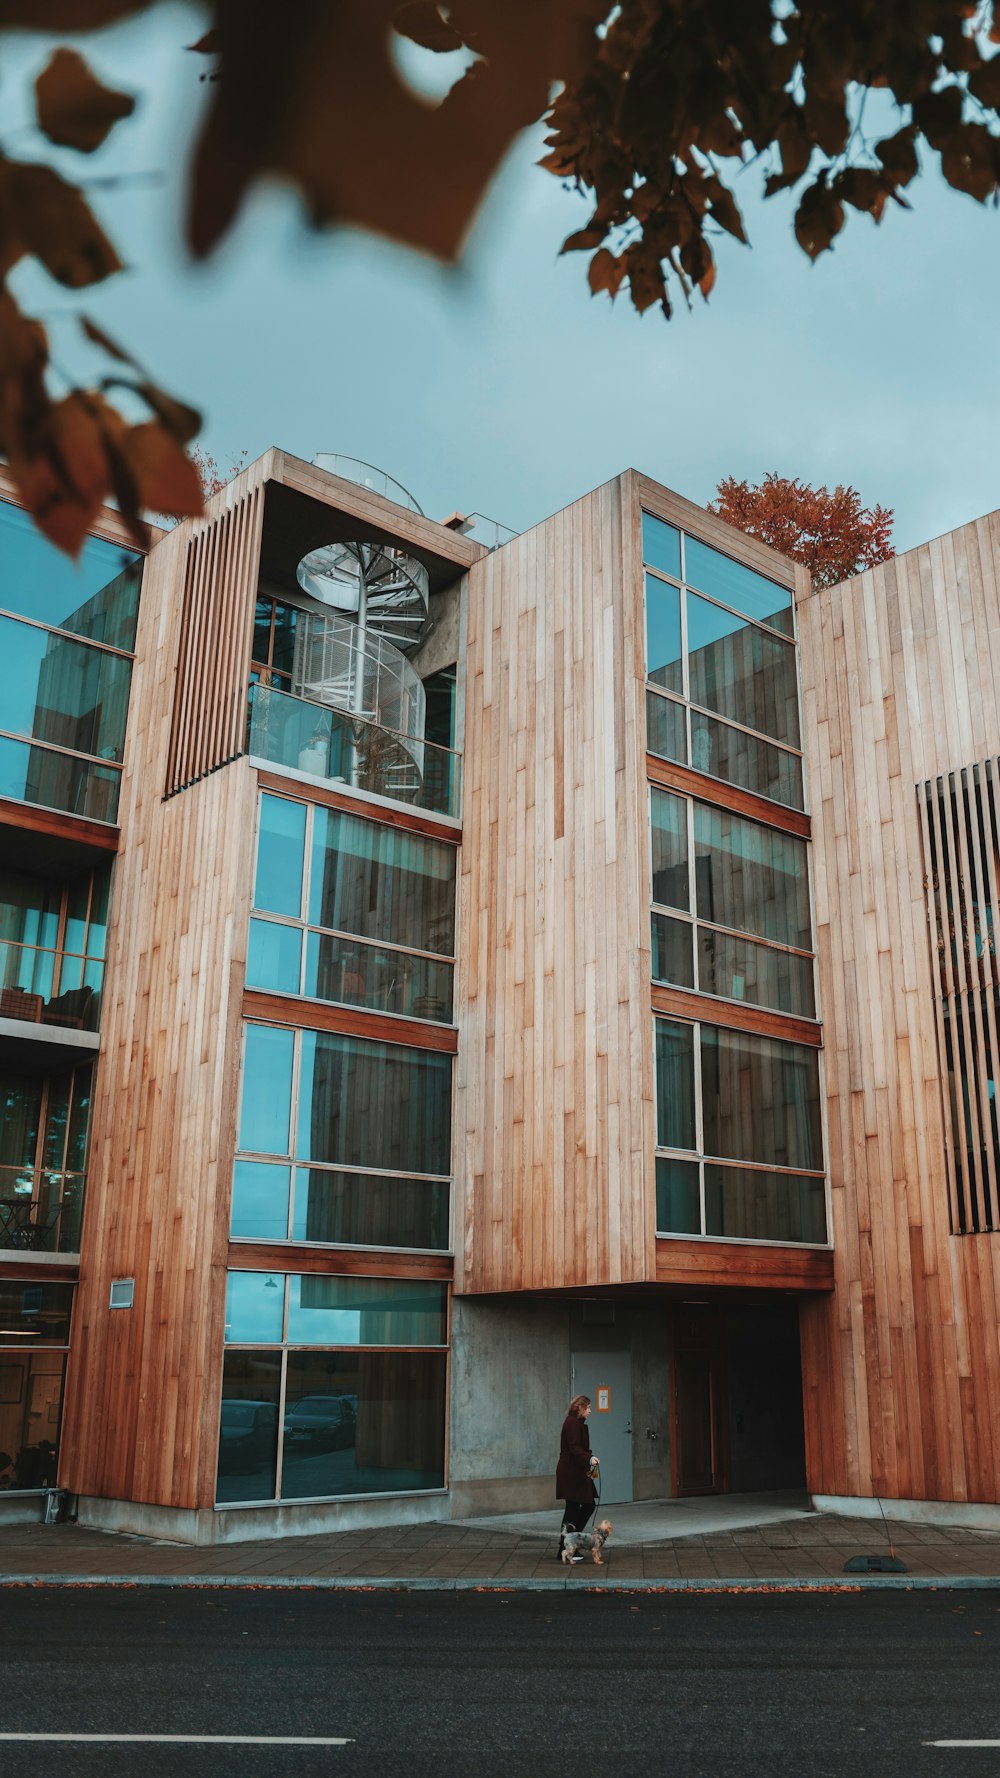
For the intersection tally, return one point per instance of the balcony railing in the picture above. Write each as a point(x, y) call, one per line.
point(345, 749)
point(40, 1211)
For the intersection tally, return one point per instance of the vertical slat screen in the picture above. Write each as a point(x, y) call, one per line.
point(220, 582)
point(959, 825)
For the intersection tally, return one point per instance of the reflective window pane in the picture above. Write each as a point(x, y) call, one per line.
point(666, 728)
point(254, 1307)
point(280, 856)
point(38, 1311)
point(675, 1123)
point(746, 1204)
point(742, 672)
point(382, 883)
point(33, 774)
point(751, 877)
point(96, 595)
point(723, 578)
point(369, 1104)
point(663, 634)
point(742, 759)
point(260, 1201)
point(661, 545)
point(370, 1209)
point(248, 1427)
point(740, 969)
point(352, 974)
point(274, 956)
point(673, 951)
point(267, 1090)
point(678, 1202)
point(31, 1389)
point(760, 1099)
point(62, 691)
point(335, 1311)
point(363, 1423)
point(668, 816)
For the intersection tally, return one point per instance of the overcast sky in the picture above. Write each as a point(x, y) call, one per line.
point(505, 388)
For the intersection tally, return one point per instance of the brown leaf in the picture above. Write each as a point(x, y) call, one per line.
point(42, 214)
point(827, 124)
point(938, 114)
point(984, 84)
point(818, 219)
point(63, 472)
point(606, 272)
point(645, 276)
point(74, 109)
point(422, 24)
point(898, 155)
point(725, 211)
point(182, 422)
point(864, 189)
point(970, 160)
point(166, 479)
point(104, 340)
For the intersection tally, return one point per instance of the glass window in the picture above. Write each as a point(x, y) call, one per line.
point(267, 1090)
point(663, 634)
point(673, 951)
point(751, 1204)
point(370, 1209)
point(742, 759)
point(760, 1099)
point(260, 1201)
point(723, 578)
point(742, 672)
point(666, 728)
point(751, 877)
point(280, 856)
point(678, 1198)
point(353, 974)
point(255, 1303)
point(69, 693)
point(97, 595)
point(325, 1311)
point(248, 1426)
point(675, 1114)
point(382, 883)
point(363, 1423)
point(31, 1388)
point(661, 545)
point(274, 957)
point(369, 1104)
point(33, 774)
point(668, 815)
point(739, 969)
point(40, 1312)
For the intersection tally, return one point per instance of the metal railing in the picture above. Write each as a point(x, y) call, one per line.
point(367, 475)
point(40, 1210)
point(344, 749)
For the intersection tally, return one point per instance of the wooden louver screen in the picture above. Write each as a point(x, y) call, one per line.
point(960, 821)
point(210, 699)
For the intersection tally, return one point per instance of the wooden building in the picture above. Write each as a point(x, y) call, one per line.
point(438, 976)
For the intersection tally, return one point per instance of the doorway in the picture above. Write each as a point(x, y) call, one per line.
point(736, 1397)
point(607, 1378)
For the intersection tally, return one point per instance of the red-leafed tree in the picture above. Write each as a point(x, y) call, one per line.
point(830, 532)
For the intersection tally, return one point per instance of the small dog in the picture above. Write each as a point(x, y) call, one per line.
point(576, 1543)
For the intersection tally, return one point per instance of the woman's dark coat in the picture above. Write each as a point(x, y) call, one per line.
point(573, 1474)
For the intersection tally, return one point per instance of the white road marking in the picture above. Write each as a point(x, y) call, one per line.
point(200, 1740)
point(962, 1743)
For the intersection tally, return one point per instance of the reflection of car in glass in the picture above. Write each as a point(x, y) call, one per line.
point(247, 1433)
point(321, 1422)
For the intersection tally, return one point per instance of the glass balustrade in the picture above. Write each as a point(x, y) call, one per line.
point(345, 749)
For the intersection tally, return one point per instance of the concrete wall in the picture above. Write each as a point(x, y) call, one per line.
point(511, 1385)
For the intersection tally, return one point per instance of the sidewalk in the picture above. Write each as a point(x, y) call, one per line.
point(808, 1549)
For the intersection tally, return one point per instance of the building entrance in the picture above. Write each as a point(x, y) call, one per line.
point(736, 1398)
point(607, 1378)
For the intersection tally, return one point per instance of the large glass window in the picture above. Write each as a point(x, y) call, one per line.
point(747, 886)
point(739, 1139)
point(369, 912)
point(34, 1337)
point(369, 1124)
point(66, 630)
point(52, 941)
point(721, 666)
point(332, 1387)
point(44, 1120)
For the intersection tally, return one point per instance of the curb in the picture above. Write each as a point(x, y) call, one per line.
point(869, 1583)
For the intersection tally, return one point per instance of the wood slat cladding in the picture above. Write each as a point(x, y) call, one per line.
point(900, 688)
point(731, 1264)
point(367, 809)
point(683, 1004)
point(281, 1256)
point(350, 1021)
point(554, 1133)
point(688, 782)
point(141, 1416)
point(220, 584)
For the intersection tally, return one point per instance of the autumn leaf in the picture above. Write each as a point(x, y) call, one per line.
point(829, 531)
point(818, 219)
point(42, 214)
point(424, 25)
point(898, 155)
point(74, 109)
point(166, 479)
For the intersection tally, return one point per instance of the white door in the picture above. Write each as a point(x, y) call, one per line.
point(607, 1378)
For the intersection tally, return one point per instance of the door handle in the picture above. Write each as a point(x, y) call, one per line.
point(628, 1430)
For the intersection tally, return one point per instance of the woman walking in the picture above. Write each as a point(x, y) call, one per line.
point(573, 1477)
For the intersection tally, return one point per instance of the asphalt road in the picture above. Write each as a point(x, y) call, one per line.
point(516, 1686)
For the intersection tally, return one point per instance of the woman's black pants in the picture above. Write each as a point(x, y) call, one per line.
point(577, 1513)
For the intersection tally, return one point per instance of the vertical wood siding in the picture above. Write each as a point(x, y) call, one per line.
point(901, 671)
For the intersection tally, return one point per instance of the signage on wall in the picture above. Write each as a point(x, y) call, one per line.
point(603, 1398)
